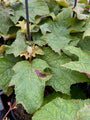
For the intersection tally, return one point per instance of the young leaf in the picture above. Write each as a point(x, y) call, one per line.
point(23, 26)
point(37, 50)
point(60, 109)
point(29, 81)
point(32, 51)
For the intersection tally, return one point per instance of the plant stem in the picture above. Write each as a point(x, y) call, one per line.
point(9, 110)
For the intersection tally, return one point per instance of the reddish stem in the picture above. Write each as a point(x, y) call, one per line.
point(9, 110)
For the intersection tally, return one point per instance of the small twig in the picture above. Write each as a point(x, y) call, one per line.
point(30, 59)
point(9, 110)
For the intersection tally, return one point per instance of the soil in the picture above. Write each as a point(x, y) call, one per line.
point(21, 114)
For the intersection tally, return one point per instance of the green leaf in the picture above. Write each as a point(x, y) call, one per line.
point(6, 71)
point(61, 28)
point(74, 41)
point(62, 78)
point(45, 28)
point(53, 6)
point(29, 81)
point(63, 3)
point(18, 46)
point(83, 113)
point(83, 64)
point(83, 1)
point(34, 28)
point(39, 39)
point(86, 33)
point(36, 7)
point(57, 42)
point(77, 26)
point(60, 109)
point(5, 22)
point(85, 44)
point(64, 23)
point(59, 37)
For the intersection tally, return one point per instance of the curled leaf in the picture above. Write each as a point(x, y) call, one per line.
point(79, 13)
point(83, 64)
point(86, 33)
point(23, 26)
point(32, 51)
point(37, 50)
point(8, 36)
point(63, 3)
